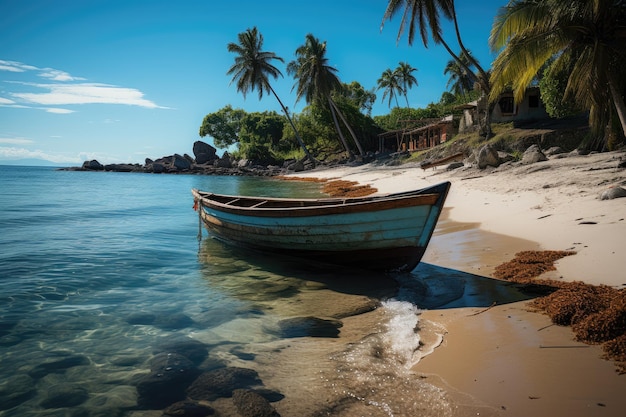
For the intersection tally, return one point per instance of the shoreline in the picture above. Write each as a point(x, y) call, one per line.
point(509, 360)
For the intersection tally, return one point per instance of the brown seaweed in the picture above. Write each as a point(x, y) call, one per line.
point(597, 313)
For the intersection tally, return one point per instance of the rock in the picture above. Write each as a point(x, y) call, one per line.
point(158, 168)
point(141, 318)
point(202, 158)
point(505, 157)
point(622, 164)
point(455, 165)
point(251, 404)
point(221, 383)
point(15, 390)
point(93, 165)
point(188, 409)
point(148, 161)
point(309, 326)
point(173, 321)
point(297, 166)
point(243, 163)
point(167, 381)
point(64, 395)
point(532, 155)
point(180, 163)
point(555, 150)
point(222, 163)
point(207, 151)
point(613, 192)
point(121, 167)
point(191, 349)
point(58, 366)
point(487, 156)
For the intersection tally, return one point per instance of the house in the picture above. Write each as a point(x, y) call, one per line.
point(505, 109)
point(531, 107)
point(422, 134)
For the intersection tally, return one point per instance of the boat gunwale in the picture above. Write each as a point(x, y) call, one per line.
point(312, 207)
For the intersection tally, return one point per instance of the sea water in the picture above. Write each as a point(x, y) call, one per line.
point(101, 272)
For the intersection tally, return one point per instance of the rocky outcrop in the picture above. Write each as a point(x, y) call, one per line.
point(205, 162)
point(93, 165)
point(204, 152)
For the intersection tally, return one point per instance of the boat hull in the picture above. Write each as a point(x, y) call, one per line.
point(379, 233)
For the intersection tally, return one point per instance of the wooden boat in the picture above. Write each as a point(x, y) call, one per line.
point(386, 232)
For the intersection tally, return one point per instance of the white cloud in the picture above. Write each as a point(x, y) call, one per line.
point(86, 93)
point(56, 110)
point(67, 92)
point(57, 75)
point(13, 66)
point(12, 153)
point(15, 141)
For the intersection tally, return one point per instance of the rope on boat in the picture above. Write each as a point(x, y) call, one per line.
point(198, 207)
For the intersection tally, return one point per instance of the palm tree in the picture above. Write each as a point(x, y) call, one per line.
point(252, 69)
point(406, 78)
point(461, 80)
point(591, 34)
point(316, 81)
point(390, 84)
point(425, 14)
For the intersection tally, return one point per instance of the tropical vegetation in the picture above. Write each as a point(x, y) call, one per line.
point(397, 82)
point(425, 16)
point(316, 81)
point(583, 42)
point(252, 69)
point(574, 51)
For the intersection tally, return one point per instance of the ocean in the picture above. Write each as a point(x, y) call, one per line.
point(106, 291)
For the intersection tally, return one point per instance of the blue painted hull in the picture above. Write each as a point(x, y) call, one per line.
point(382, 233)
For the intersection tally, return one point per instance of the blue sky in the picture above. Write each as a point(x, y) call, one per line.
point(122, 80)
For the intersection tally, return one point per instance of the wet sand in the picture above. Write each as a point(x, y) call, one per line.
point(504, 360)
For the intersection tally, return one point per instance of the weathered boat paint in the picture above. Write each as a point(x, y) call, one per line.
point(389, 232)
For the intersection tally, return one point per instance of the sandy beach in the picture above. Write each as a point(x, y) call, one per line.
point(509, 359)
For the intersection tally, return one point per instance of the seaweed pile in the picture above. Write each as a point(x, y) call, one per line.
point(337, 188)
point(597, 314)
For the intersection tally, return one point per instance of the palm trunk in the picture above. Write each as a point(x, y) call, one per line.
point(293, 126)
point(483, 78)
point(338, 128)
point(484, 85)
point(356, 141)
point(620, 107)
point(406, 96)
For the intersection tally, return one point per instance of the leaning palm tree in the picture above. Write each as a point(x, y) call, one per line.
point(252, 69)
point(406, 78)
point(316, 81)
point(461, 81)
point(390, 84)
point(590, 34)
point(425, 14)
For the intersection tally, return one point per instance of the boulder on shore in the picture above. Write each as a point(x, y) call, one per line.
point(93, 165)
point(203, 152)
point(487, 156)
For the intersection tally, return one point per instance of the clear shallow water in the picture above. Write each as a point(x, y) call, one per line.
point(100, 273)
